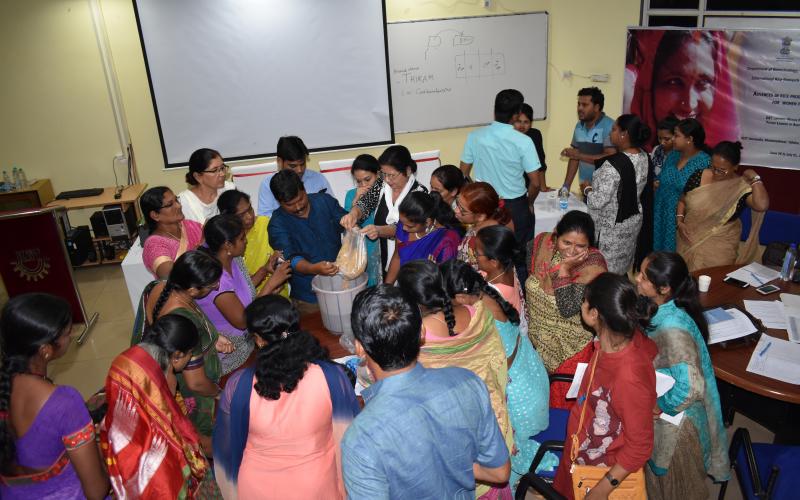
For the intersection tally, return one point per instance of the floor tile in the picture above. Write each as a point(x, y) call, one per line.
point(86, 376)
point(105, 339)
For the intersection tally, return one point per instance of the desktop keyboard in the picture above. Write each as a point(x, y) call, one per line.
point(79, 193)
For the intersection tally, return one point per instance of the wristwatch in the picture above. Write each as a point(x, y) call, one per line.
point(614, 482)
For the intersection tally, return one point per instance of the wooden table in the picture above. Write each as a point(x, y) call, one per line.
point(130, 194)
point(772, 403)
point(312, 323)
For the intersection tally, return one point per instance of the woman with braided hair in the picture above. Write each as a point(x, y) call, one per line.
point(459, 335)
point(280, 422)
point(47, 445)
point(193, 276)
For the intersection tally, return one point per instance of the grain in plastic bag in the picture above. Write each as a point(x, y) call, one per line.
point(352, 258)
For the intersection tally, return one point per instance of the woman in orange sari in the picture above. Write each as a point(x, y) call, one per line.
point(150, 445)
point(708, 212)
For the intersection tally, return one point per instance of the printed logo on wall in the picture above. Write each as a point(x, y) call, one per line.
point(741, 85)
point(31, 265)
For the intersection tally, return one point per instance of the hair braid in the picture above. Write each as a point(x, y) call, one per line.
point(11, 367)
point(508, 309)
point(450, 317)
point(162, 298)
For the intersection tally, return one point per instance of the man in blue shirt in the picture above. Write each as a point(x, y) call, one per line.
point(292, 154)
point(424, 433)
point(306, 229)
point(500, 155)
point(591, 139)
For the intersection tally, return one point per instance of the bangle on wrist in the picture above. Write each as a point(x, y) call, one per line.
point(586, 190)
point(680, 215)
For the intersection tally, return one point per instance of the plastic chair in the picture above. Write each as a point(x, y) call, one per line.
point(551, 439)
point(764, 470)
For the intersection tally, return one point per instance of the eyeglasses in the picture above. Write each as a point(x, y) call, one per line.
point(461, 208)
point(390, 177)
point(224, 168)
point(719, 171)
point(176, 201)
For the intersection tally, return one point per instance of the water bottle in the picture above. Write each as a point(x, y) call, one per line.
point(23, 179)
point(15, 178)
point(787, 270)
point(563, 199)
point(7, 186)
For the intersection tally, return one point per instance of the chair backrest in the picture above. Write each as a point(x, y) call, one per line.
point(248, 178)
point(777, 226)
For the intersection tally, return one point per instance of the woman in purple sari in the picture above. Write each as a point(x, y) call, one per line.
point(425, 232)
point(47, 439)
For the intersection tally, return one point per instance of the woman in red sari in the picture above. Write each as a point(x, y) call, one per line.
point(150, 445)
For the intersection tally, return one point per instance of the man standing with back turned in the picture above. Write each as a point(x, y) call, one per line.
point(423, 433)
point(500, 154)
point(591, 139)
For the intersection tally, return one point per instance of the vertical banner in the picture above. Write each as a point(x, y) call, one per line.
point(741, 85)
point(33, 257)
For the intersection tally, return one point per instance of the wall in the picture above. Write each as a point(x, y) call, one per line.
point(58, 123)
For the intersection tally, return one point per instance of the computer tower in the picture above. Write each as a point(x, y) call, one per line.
point(121, 225)
point(79, 244)
point(98, 224)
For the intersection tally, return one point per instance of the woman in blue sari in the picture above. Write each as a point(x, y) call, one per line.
point(683, 454)
point(365, 174)
point(687, 157)
point(424, 232)
point(280, 422)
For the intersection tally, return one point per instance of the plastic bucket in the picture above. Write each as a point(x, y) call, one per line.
point(335, 296)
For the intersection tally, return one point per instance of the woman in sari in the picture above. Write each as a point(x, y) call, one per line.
point(618, 392)
point(477, 206)
point(708, 212)
point(171, 234)
point(365, 171)
point(448, 180)
point(226, 241)
point(688, 157)
point(194, 275)
point(47, 438)
point(146, 424)
point(280, 423)
point(460, 335)
point(614, 197)
point(424, 232)
point(528, 385)
point(206, 180)
point(563, 263)
point(684, 454)
point(259, 257)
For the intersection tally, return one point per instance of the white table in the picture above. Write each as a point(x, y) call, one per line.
point(136, 274)
point(547, 212)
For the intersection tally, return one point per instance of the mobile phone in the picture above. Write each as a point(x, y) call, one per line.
point(735, 282)
point(767, 289)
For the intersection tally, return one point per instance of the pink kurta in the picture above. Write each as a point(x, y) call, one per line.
point(291, 451)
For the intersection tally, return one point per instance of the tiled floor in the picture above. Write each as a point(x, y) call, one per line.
point(103, 290)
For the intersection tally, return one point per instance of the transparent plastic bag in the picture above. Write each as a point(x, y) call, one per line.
point(352, 258)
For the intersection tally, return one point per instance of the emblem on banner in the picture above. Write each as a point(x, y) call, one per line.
point(786, 48)
point(30, 265)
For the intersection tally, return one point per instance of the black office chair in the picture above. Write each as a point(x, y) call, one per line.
point(551, 439)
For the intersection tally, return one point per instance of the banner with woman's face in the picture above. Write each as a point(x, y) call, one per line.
point(741, 85)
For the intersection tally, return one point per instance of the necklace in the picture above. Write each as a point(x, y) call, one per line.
point(178, 238)
point(431, 316)
point(498, 276)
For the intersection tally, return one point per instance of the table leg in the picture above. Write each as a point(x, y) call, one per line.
point(777, 416)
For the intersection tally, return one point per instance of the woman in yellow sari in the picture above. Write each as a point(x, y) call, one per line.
point(708, 212)
point(460, 335)
point(259, 257)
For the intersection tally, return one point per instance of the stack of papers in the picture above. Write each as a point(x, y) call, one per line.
point(776, 358)
point(755, 274)
point(791, 309)
point(727, 324)
point(663, 383)
point(770, 312)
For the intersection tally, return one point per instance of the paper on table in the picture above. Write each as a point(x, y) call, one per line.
point(776, 358)
point(739, 326)
point(664, 383)
point(791, 308)
point(572, 393)
point(770, 312)
point(754, 273)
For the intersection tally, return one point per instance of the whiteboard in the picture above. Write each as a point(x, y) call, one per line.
point(445, 73)
point(236, 75)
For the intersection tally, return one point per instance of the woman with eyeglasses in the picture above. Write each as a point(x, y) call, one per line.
point(194, 275)
point(478, 206)
point(709, 209)
point(365, 172)
point(171, 234)
point(206, 179)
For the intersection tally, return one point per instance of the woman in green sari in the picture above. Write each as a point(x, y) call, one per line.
point(193, 276)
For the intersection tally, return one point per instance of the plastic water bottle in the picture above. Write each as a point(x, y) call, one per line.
point(23, 179)
point(563, 199)
point(7, 186)
point(787, 270)
point(15, 178)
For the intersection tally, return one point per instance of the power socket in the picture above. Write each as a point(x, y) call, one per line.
point(487, 4)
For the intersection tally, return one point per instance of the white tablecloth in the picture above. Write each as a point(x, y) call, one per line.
point(136, 275)
point(547, 213)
